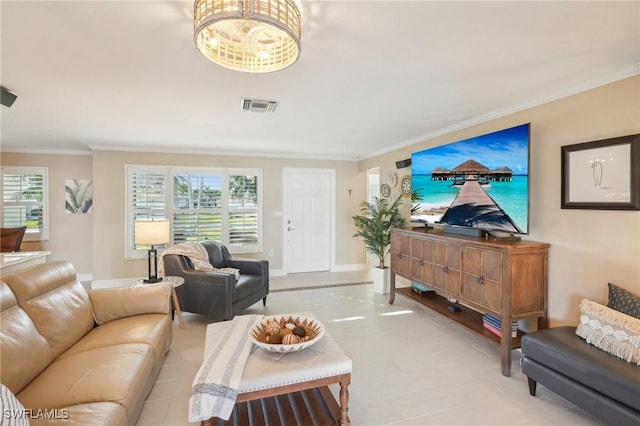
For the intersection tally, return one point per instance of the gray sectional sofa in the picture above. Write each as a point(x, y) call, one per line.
point(603, 385)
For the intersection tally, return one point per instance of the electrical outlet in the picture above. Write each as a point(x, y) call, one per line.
point(270, 253)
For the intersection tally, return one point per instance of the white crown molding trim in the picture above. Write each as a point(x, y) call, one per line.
point(223, 153)
point(46, 151)
point(611, 78)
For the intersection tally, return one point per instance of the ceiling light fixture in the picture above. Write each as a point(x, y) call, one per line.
point(248, 35)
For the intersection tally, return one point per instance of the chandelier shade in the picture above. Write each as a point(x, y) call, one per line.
point(254, 36)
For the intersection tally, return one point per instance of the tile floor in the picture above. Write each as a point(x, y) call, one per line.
point(411, 366)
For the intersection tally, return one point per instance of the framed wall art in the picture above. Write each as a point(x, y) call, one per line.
point(78, 195)
point(601, 175)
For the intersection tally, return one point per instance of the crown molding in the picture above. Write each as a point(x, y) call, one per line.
point(631, 71)
point(292, 156)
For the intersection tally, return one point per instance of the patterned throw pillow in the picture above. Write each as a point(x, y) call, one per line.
point(13, 413)
point(623, 301)
point(610, 330)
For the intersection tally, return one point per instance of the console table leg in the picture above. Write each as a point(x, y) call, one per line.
point(344, 401)
point(392, 287)
point(505, 353)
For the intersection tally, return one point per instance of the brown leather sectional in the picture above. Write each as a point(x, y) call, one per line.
point(87, 357)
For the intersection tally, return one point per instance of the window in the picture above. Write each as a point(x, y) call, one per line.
point(25, 200)
point(373, 184)
point(202, 204)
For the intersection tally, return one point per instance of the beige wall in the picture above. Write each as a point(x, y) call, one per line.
point(108, 226)
point(70, 235)
point(589, 248)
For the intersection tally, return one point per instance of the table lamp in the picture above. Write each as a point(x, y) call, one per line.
point(152, 233)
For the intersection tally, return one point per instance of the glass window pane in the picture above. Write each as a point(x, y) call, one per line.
point(196, 227)
point(197, 191)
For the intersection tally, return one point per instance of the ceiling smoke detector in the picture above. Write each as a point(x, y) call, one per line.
point(255, 105)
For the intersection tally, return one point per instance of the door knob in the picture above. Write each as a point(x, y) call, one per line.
point(290, 228)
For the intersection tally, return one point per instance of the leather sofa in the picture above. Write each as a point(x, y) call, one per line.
point(603, 385)
point(90, 357)
point(219, 295)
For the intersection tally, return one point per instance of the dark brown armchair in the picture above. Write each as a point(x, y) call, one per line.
point(11, 238)
point(219, 294)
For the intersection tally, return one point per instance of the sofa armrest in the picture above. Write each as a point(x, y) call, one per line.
point(113, 303)
point(250, 266)
point(224, 279)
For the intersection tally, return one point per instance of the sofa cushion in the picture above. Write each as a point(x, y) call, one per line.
point(609, 330)
point(623, 301)
point(113, 303)
point(562, 350)
point(56, 302)
point(20, 344)
point(94, 414)
point(152, 329)
point(120, 373)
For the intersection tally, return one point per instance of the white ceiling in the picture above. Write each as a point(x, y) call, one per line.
point(372, 76)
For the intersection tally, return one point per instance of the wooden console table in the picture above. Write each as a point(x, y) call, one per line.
point(507, 279)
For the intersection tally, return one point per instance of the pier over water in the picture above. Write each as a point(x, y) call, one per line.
point(473, 206)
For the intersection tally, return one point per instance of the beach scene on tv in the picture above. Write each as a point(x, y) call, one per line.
point(480, 182)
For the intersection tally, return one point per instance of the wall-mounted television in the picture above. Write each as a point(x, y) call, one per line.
point(480, 183)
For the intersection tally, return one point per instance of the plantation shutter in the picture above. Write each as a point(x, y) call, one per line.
point(146, 199)
point(201, 203)
point(197, 206)
point(244, 212)
point(24, 200)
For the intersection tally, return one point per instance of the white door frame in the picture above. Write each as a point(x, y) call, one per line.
point(332, 213)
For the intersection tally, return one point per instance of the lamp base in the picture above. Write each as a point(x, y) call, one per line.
point(152, 280)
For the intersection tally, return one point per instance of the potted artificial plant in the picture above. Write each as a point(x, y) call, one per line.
point(374, 226)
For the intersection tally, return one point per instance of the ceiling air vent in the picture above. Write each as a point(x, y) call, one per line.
point(255, 105)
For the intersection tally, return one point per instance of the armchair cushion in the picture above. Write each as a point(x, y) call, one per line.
point(114, 303)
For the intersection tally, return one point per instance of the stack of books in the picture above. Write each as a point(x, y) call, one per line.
point(494, 325)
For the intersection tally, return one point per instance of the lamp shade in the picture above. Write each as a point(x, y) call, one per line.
point(151, 232)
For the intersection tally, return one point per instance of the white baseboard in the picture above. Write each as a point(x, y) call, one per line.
point(88, 277)
point(336, 268)
point(276, 273)
point(349, 267)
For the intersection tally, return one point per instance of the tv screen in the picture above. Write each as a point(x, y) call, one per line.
point(481, 182)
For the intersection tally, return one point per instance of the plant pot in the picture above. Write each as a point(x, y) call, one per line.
point(381, 280)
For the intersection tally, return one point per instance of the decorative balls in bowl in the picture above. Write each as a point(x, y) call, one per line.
point(286, 333)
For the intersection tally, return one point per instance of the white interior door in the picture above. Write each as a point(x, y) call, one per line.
point(308, 219)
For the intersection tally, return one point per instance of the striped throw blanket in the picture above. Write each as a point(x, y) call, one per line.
point(198, 256)
point(215, 387)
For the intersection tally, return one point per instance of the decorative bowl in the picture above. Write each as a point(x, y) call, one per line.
point(268, 326)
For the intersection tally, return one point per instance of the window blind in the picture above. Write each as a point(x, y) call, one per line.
point(25, 200)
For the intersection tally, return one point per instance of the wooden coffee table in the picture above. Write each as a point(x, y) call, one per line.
point(276, 387)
